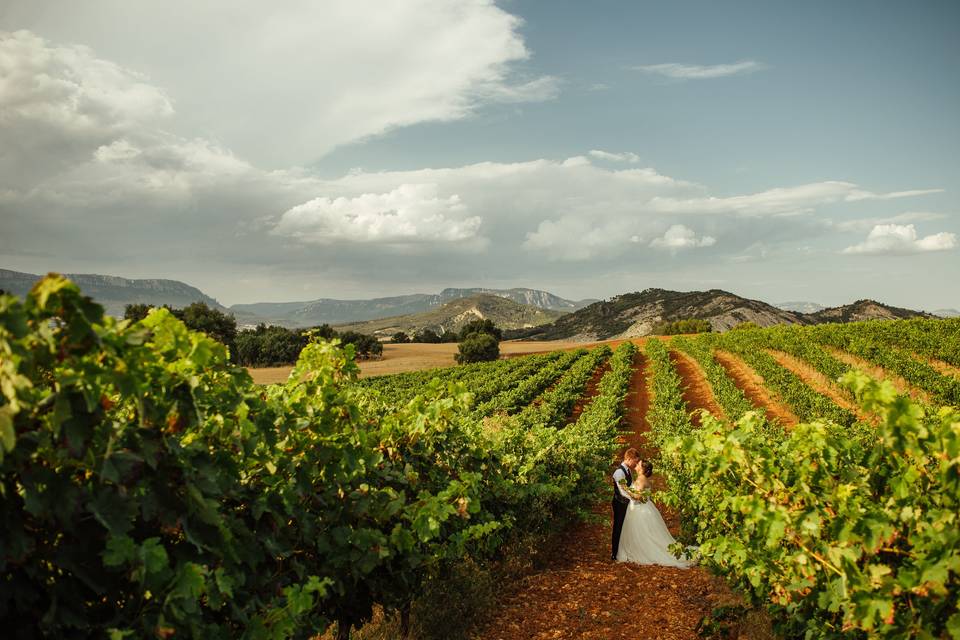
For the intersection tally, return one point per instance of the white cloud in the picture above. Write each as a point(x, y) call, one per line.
point(863, 224)
point(700, 72)
point(285, 83)
point(896, 239)
point(780, 201)
point(679, 236)
point(577, 239)
point(411, 213)
point(626, 156)
point(59, 103)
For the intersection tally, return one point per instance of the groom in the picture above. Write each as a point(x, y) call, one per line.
point(622, 479)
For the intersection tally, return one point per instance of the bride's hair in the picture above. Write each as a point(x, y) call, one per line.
point(647, 467)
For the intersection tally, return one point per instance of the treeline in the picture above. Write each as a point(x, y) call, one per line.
point(426, 336)
point(677, 327)
point(263, 346)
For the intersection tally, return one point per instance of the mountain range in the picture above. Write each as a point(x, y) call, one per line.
point(333, 311)
point(115, 293)
point(636, 314)
point(525, 313)
point(451, 316)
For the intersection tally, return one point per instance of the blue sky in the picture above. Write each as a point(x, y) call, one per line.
point(779, 150)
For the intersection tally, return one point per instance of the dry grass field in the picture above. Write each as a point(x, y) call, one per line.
point(413, 357)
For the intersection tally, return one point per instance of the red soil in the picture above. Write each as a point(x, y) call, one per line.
point(583, 595)
point(697, 392)
point(751, 383)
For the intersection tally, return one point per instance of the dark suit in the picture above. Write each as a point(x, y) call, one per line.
point(620, 505)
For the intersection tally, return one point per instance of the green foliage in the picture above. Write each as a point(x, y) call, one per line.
point(270, 346)
point(400, 337)
point(842, 537)
point(745, 326)
point(553, 407)
point(365, 346)
point(481, 326)
point(514, 397)
point(148, 488)
point(806, 403)
point(478, 347)
point(727, 394)
point(426, 336)
point(197, 316)
point(676, 327)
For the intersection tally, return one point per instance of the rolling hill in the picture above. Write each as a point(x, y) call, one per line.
point(115, 293)
point(863, 310)
point(635, 314)
point(451, 316)
point(334, 311)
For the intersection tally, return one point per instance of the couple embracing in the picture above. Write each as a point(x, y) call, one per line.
point(639, 532)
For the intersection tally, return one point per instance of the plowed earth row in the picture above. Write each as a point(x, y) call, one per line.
point(583, 595)
point(752, 386)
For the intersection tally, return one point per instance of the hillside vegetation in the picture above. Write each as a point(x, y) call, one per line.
point(639, 314)
point(453, 315)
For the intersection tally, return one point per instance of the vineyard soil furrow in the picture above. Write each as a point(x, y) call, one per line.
point(637, 404)
point(697, 392)
point(816, 381)
point(583, 596)
point(751, 383)
point(879, 373)
point(945, 368)
point(590, 392)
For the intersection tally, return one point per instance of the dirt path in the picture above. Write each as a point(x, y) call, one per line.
point(697, 391)
point(582, 595)
point(751, 383)
point(816, 381)
point(945, 368)
point(590, 391)
point(879, 373)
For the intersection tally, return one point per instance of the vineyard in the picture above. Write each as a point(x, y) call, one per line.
point(150, 489)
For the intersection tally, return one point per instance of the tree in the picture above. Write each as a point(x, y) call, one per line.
point(478, 347)
point(365, 346)
point(427, 336)
point(213, 322)
point(449, 336)
point(220, 326)
point(136, 312)
point(400, 337)
point(324, 331)
point(691, 325)
point(481, 326)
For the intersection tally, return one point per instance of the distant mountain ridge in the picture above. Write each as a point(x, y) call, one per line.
point(946, 313)
point(800, 307)
point(453, 315)
point(114, 293)
point(334, 311)
point(635, 314)
point(864, 310)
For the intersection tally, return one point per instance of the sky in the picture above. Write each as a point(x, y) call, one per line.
point(358, 148)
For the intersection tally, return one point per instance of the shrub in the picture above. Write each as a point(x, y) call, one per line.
point(676, 327)
point(478, 347)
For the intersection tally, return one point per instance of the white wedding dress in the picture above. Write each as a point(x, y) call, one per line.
point(645, 538)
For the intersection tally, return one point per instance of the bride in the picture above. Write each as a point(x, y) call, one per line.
point(645, 538)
